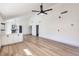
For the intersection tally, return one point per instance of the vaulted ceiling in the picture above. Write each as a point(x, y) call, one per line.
point(10, 10)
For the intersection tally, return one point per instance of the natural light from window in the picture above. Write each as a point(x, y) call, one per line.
point(28, 52)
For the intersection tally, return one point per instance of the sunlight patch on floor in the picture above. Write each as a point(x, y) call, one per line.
point(28, 52)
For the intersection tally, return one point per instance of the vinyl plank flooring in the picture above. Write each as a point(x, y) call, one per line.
point(36, 46)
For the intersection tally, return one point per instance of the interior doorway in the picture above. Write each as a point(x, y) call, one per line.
point(37, 30)
point(20, 28)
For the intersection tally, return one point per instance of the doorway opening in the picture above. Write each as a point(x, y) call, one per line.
point(20, 28)
point(37, 30)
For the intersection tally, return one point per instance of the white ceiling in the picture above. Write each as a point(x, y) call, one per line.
point(10, 10)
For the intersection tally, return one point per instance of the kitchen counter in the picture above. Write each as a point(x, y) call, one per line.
point(11, 38)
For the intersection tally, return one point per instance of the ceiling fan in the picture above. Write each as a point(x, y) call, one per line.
point(41, 10)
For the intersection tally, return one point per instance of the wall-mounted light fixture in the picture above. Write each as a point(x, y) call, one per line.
point(72, 25)
point(64, 12)
point(59, 17)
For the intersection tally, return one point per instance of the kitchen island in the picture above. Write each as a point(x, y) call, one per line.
point(11, 39)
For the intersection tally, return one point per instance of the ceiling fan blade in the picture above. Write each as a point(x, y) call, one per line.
point(35, 11)
point(48, 10)
point(45, 13)
point(38, 13)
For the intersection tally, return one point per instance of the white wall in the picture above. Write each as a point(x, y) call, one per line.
point(1, 20)
point(23, 20)
point(49, 24)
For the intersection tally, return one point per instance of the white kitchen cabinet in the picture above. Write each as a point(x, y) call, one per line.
point(11, 38)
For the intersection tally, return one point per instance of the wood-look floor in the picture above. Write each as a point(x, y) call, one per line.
point(36, 46)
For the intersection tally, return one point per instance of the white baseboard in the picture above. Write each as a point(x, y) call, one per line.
point(73, 41)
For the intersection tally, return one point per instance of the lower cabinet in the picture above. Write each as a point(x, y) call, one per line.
point(12, 38)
